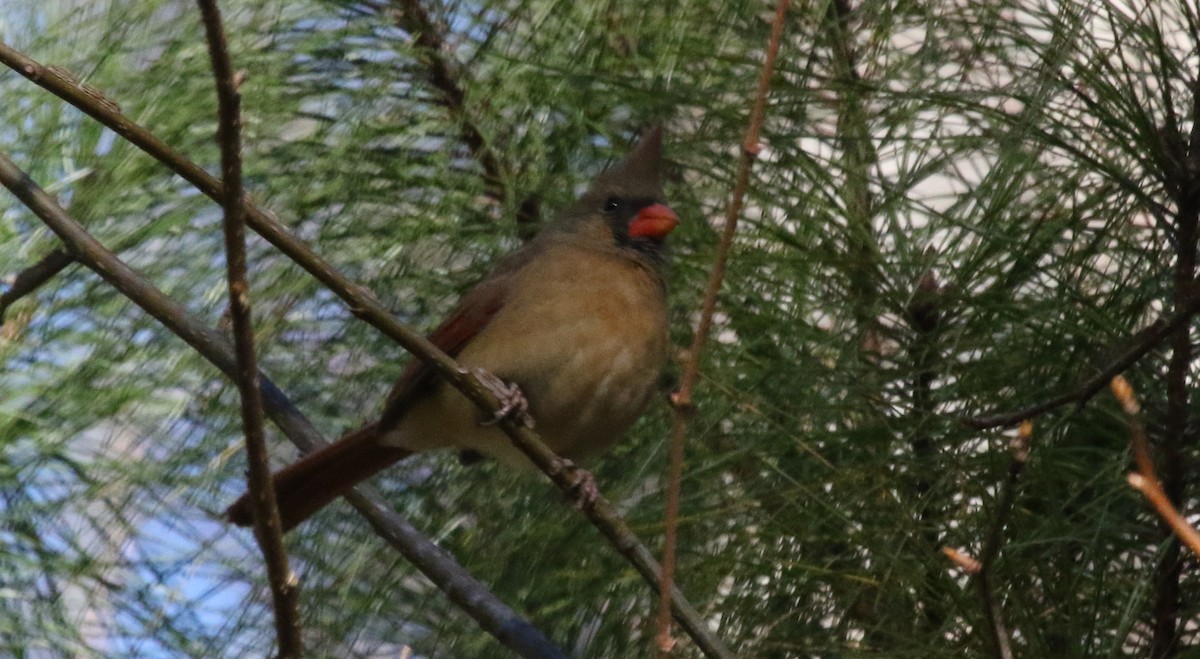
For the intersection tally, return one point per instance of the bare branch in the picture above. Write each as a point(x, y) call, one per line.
point(682, 399)
point(446, 77)
point(268, 529)
point(1137, 346)
point(1145, 480)
point(32, 278)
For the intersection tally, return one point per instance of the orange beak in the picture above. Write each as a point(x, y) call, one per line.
point(654, 221)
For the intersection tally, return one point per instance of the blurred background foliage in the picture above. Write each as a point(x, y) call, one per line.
point(962, 207)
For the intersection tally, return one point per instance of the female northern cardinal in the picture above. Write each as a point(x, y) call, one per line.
point(577, 319)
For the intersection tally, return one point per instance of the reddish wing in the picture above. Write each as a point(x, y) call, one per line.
point(474, 312)
point(320, 477)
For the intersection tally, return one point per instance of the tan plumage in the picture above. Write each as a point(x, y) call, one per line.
point(576, 318)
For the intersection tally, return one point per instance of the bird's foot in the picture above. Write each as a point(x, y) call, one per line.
point(512, 401)
point(584, 490)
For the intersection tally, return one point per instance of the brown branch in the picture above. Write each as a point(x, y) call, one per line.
point(268, 528)
point(1145, 480)
point(925, 315)
point(460, 587)
point(682, 399)
point(1193, 162)
point(366, 307)
point(446, 77)
point(1186, 303)
point(32, 278)
point(1169, 571)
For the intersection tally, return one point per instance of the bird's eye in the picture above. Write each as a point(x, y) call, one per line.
point(611, 205)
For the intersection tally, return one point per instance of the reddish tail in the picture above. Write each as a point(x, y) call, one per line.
point(309, 484)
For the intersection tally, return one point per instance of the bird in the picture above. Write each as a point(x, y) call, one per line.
point(572, 328)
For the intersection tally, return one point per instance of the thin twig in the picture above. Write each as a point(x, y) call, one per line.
point(997, 630)
point(1145, 479)
point(965, 562)
point(980, 569)
point(1168, 574)
point(460, 587)
point(682, 399)
point(363, 304)
point(1138, 345)
point(925, 315)
point(268, 528)
point(31, 278)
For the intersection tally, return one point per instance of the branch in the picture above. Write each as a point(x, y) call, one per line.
point(1145, 480)
point(1020, 448)
point(682, 399)
point(980, 570)
point(285, 587)
point(1138, 345)
point(477, 601)
point(363, 304)
point(32, 278)
point(445, 76)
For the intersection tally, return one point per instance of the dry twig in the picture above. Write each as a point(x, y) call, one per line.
point(31, 278)
point(682, 399)
point(1145, 480)
point(268, 529)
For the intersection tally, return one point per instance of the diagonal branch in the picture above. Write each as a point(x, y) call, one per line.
point(1137, 346)
point(1145, 480)
point(32, 278)
point(980, 569)
point(682, 399)
point(460, 587)
point(285, 587)
point(363, 304)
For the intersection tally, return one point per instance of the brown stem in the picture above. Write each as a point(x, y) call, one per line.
point(997, 631)
point(493, 615)
point(1169, 570)
point(31, 278)
point(924, 315)
point(1145, 480)
point(285, 587)
point(682, 399)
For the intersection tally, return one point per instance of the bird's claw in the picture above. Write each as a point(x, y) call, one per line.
point(512, 401)
point(584, 489)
